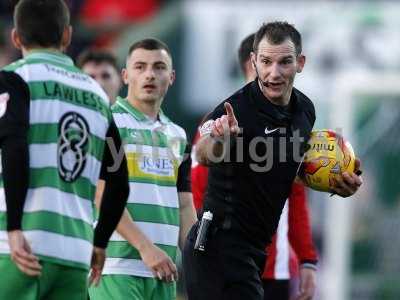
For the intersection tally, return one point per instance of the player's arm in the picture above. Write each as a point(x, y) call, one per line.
point(187, 213)
point(114, 198)
point(14, 124)
point(215, 133)
point(116, 191)
point(153, 257)
point(300, 238)
point(15, 165)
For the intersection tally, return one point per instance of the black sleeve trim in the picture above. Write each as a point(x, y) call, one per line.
point(116, 189)
point(309, 261)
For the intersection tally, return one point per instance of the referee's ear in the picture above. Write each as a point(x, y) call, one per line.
point(301, 61)
point(253, 58)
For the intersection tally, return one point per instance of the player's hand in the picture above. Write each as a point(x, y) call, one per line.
point(96, 265)
point(227, 124)
point(307, 284)
point(349, 183)
point(159, 263)
point(21, 254)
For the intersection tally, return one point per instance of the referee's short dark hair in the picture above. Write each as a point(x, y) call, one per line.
point(245, 48)
point(276, 33)
point(96, 56)
point(149, 44)
point(41, 23)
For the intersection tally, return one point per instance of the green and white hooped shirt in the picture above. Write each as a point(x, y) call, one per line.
point(69, 118)
point(154, 151)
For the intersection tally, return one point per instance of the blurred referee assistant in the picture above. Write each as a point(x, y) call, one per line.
point(253, 143)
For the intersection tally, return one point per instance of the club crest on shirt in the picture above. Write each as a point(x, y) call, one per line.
point(4, 97)
point(174, 145)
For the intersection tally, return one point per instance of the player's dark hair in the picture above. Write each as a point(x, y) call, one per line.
point(276, 33)
point(245, 48)
point(41, 23)
point(149, 44)
point(96, 56)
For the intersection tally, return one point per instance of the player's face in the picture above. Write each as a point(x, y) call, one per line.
point(148, 74)
point(278, 65)
point(106, 75)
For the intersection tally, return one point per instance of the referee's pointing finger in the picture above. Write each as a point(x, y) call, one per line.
point(230, 113)
point(233, 123)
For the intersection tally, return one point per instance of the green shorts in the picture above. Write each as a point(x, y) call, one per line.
point(57, 282)
point(127, 287)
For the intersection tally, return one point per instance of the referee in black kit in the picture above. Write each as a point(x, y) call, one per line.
point(253, 143)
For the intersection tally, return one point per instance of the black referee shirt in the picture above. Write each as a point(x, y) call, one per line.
point(250, 187)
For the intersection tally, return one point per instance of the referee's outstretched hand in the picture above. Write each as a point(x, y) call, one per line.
point(227, 124)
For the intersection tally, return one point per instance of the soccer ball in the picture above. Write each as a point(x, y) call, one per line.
point(328, 155)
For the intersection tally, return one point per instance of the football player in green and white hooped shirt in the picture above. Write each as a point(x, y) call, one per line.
point(61, 116)
point(141, 255)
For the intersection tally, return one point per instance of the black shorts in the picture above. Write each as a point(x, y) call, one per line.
point(229, 269)
point(276, 289)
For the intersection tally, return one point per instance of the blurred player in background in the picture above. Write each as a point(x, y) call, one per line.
point(141, 255)
point(102, 67)
point(293, 240)
point(46, 238)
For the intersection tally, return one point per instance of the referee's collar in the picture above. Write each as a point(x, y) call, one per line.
point(266, 104)
point(51, 55)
